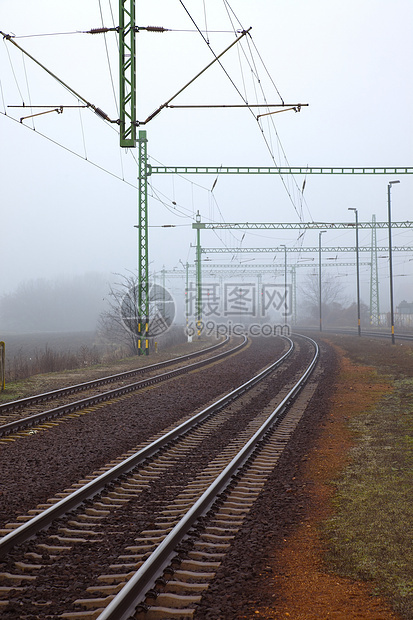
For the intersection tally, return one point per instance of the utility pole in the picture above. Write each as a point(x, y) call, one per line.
point(391, 261)
point(198, 278)
point(285, 283)
point(374, 279)
point(260, 304)
point(293, 269)
point(357, 269)
point(186, 267)
point(319, 278)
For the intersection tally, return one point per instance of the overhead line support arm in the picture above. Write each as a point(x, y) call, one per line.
point(166, 104)
point(97, 110)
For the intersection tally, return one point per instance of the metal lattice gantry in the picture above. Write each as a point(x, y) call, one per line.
point(373, 225)
point(297, 225)
point(298, 250)
point(279, 170)
point(216, 270)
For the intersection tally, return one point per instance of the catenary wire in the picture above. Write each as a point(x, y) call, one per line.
point(270, 150)
point(108, 60)
point(27, 86)
point(13, 71)
point(255, 74)
point(65, 148)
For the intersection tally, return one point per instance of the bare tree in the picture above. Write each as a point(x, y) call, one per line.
point(331, 295)
point(119, 323)
point(122, 301)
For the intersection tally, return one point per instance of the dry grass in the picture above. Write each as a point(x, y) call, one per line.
point(33, 354)
point(44, 360)
point(35, 369)
point(370, 535)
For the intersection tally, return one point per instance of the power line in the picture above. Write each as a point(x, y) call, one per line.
point(65, 148)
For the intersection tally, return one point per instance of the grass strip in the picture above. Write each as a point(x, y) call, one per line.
point(370, 535)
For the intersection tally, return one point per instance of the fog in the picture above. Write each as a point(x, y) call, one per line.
point(69, 199)
point(69, 304)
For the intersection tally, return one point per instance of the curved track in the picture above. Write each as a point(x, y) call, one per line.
point(137, 477)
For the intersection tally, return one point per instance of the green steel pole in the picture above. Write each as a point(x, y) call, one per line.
point(198, 278)
point(143, 261)
point(127, 73)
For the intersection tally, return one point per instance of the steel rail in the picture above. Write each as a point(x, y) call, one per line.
point(122, 607)
point(36, 418)
point(72, 501)
point(79, 387)
point(353, 332)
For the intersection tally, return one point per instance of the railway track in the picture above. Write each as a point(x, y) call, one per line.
point(153, 506)
point(36, 399)
point(27, 412)
point(370, 333)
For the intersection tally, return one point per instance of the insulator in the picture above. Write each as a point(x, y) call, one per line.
point(155, 28)
point(101, 113)
point(98, 30)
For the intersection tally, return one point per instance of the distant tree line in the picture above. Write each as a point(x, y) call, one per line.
point(336, 310)
point(65, 304)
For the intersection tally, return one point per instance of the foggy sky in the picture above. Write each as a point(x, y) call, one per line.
point(62, 215)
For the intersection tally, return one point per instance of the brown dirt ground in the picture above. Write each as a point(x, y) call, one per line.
point(308, 590)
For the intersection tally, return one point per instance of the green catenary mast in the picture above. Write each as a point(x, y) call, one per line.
point(127, 75)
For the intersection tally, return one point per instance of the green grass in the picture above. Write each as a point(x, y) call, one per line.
point(370, 536)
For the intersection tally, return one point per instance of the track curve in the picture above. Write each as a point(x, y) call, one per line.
point(117, 499)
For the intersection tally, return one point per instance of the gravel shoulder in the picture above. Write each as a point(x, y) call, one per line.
point(284, 571)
